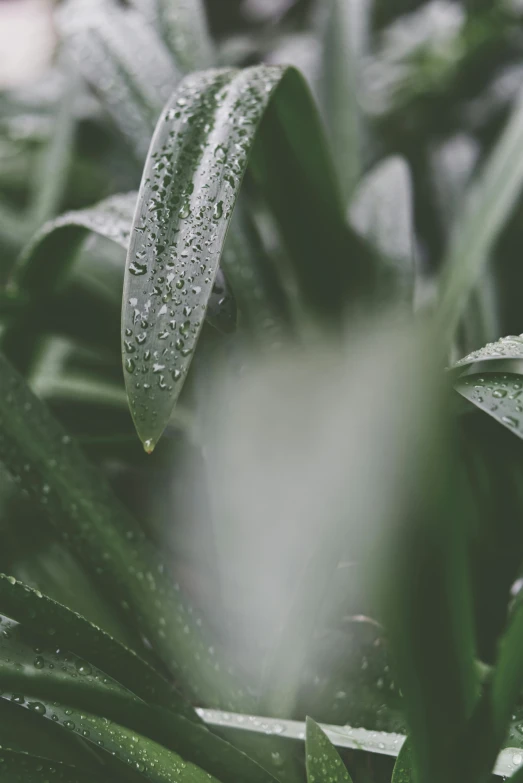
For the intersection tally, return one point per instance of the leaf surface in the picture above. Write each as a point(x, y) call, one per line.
point(324, 764)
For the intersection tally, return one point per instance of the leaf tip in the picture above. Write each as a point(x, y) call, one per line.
point(149, 445)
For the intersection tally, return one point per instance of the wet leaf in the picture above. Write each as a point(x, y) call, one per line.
point(51, 469)
point(403, 772)
point(23, 768)
point(510, 347)
point(324, 764)
point(498, 395)
point(198, 156)
point(39, 675)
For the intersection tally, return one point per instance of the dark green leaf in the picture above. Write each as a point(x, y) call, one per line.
point(45, 462)
point(22, 768)
point(198, 156)
point(324, 764)
point(403, 772)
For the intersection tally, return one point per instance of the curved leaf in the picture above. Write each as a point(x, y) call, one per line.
point(53, 621)
point(200, 151)
point(498, 395)
point(50, 467)
point(510, 347)
point(23, 768)
point(44, 262)
point(324, 764)
point(45, 675)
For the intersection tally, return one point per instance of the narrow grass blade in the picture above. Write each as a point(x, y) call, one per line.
point(500, 395)
point(183, 26)
point(339, 87)
point(43, 459)
point(488, 206)
point(198, 156)
point(324, 764)
point(52, 621)
point(56, 675)
point(23, 731)
point(124, 60)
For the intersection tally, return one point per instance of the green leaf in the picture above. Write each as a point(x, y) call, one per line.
point(510, 347)
point(45, 462)
point(183, 26)
point(24, 732)
point(403, 772)
point(124, 60)
point(51, 620)
point(382, 210)
point(33, 666)
point(23, 768)
point(498, 395)
point(339, 87)
point(488, 206)
point(324, 764)
point(200, 151)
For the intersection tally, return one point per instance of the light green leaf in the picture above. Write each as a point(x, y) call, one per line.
point(324, 764)
point(500, 395)
point(200, 151)
point(123, 59)
point(488, 206)
point(183, 26)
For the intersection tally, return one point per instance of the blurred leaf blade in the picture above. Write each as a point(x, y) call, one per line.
point(30, 769)
point(183, 26)
point(490, 202)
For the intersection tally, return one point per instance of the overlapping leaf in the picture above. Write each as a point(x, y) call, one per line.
point(324, 764)
point(202, 146)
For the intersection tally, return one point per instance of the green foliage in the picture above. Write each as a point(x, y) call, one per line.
point(302, 223)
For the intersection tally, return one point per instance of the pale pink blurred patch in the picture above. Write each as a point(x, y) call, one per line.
point(27, 40)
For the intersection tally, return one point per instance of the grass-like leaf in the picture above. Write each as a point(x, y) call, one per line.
point(200, 151)
point(500, 395)
point(324, 764)
point(488, 206)
point(43, 459)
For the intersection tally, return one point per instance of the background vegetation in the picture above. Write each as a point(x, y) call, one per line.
point(299, 223)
